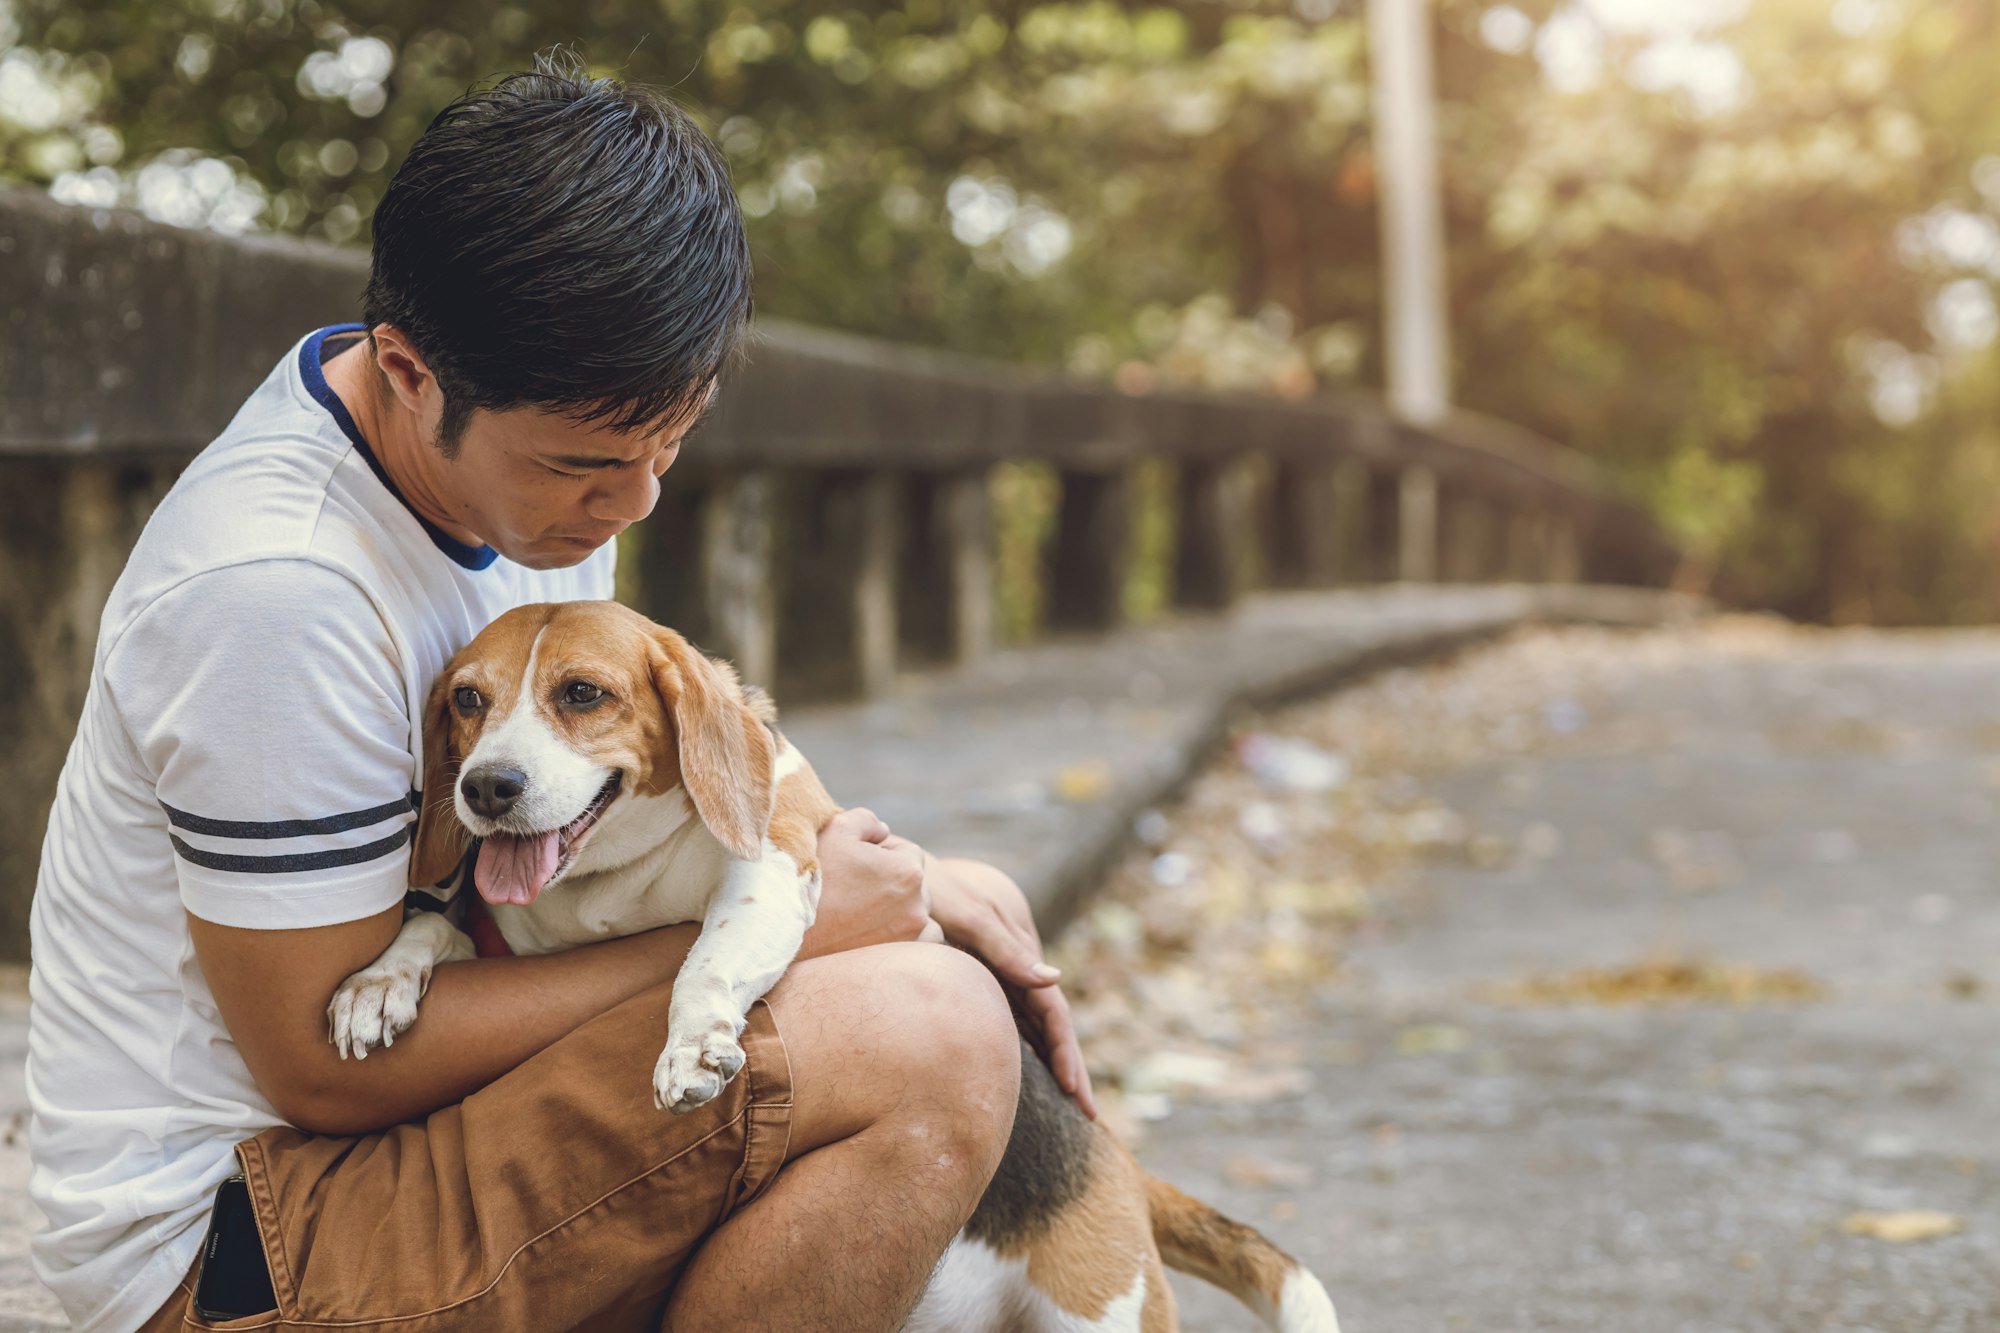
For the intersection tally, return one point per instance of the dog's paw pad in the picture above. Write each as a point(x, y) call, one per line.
point(720, 1052)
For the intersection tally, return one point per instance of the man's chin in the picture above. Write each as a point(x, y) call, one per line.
point(551, 553)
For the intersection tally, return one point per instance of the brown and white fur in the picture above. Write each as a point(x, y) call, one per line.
point(649, 788)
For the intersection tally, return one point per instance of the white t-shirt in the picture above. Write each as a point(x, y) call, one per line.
point(249, 752)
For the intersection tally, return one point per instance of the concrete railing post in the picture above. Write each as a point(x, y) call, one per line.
point(1091, 555)
point(739, 573)
point(1353, 539)
point(707, 567)
point(946, 586)
point(1209, 557)
point(1565, 552)
point(1525, 563)
point(1471, 552)
point(1417, 525)
point(837, 590)
point(1305, 523)
point(1384, 526)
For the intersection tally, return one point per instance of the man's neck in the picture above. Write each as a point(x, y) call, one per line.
point(393, 433)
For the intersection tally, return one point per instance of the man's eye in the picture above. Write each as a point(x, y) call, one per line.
point(467, 699)
point(582, 692)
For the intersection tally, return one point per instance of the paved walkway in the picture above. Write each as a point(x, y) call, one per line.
point(1495, 1137)
point(1036, 759)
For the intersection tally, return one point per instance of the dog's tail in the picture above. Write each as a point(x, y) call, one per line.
point(1196, 1239)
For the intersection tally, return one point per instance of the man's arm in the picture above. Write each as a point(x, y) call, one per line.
point(478, 1020)
point(482, 1018)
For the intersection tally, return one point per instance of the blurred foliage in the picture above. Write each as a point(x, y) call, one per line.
point(1741, 253)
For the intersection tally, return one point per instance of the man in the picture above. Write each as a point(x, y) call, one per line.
point(559, 275)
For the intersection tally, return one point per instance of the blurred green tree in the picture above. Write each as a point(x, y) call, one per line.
point(1742, 254)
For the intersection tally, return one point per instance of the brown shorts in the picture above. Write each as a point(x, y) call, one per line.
point(557, 1197)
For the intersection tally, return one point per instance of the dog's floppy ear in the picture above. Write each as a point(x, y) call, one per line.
point(441, 839)
point(726, 753)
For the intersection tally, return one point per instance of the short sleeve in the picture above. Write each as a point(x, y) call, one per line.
point(266, 700)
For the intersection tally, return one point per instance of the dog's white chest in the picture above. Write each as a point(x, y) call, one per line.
point(671, 884)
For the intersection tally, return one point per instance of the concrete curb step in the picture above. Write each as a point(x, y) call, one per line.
point(1039, 759)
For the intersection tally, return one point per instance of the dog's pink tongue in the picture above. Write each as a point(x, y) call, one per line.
point(513, 869)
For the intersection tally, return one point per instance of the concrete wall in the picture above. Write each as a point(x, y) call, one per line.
point(127, 344)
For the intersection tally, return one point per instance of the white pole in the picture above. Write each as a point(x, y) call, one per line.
point(1412, 212)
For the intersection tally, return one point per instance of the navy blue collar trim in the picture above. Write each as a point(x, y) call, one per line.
point(472, 557)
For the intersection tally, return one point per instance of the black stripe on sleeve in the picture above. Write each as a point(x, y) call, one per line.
point(287, 828)
point(296, 862)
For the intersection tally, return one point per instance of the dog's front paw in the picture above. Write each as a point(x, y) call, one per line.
point(692, 1071)
point(373, 1006)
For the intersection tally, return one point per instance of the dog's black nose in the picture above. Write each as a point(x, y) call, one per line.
point(493, 791)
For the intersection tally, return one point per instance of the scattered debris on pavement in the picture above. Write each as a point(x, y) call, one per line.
point(1239, 900)
point(1663, 982)
point(1910, 1224)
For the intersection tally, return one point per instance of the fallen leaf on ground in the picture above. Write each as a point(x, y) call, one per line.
point(1263, 1085)
point(1663, 983)
point(1173, 1071)
point(1087, 781)
point(1906, 1225)
point(1430, 1039)
point(1261, 1173)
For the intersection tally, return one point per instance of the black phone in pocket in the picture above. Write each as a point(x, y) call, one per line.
point(234, 1280)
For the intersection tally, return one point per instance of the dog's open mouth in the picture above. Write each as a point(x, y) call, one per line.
point(515, 867)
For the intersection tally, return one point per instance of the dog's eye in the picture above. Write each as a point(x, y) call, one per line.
point(467, 699)
point(582, 692)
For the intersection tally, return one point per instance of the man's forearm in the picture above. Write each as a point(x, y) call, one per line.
point(482, 1018)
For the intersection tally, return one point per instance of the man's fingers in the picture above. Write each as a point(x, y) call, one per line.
point(1050, 1011)
point(1086, 1096)
point(1013, 959)
point(1013, 953)
point(1071, 1071)
point(862, 823)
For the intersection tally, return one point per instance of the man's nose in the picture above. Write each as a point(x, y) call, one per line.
point(492, 791)
point(627, 496)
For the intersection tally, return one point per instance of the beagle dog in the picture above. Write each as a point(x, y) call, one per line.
point(591, 774)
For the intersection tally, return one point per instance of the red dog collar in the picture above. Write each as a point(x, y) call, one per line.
point(487, 941)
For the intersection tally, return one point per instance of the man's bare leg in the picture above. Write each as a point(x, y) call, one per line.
point(905, 1069)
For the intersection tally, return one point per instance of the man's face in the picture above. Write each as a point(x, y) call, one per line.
point(545, 491)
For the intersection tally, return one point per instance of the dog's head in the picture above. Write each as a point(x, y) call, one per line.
point(562, 721)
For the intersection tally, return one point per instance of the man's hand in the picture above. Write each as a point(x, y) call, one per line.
point(871, 887)
point(984, 912)
point(877, 888)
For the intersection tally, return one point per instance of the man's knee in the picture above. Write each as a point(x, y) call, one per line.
point(960, 1029)
point(911, 1032)
point(959, 1058)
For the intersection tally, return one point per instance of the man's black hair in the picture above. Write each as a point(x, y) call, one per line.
point(566, 243)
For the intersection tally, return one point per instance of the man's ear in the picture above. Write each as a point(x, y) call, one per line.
point(726, 752)
point(441, 839)
point(402, 368)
